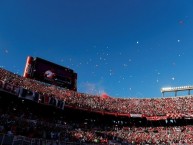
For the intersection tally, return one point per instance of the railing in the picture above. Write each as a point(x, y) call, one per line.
point(6, 139)
point(22, 140)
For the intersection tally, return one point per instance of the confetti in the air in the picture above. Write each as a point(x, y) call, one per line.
point(5, 50)
point(181, 22)
point(125, 65)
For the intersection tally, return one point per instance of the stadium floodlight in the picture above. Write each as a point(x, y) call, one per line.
point(174, 89)
point(166, 89)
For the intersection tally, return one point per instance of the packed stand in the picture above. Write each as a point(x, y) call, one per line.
point(16, 121)
point(147, 107)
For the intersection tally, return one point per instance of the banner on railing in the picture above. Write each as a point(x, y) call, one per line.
point(156, 118)
point(136, 115)
point(61, 104)
point(9, 88)
point(27, 94)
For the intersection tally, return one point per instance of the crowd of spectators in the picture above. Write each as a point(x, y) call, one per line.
point(155, 135)
point(46, 130)
point(33, 126)
point(18, 121)
point(147, 106)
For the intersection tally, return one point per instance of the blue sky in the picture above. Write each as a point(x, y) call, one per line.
point(126, 48)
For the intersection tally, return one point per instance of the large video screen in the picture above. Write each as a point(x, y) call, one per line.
point(52, 73)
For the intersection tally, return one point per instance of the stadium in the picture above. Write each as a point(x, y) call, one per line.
point(38, 112)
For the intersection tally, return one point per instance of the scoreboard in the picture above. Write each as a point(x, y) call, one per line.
point(49, 72)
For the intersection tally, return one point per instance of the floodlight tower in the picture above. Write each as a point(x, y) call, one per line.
point(176, 89)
